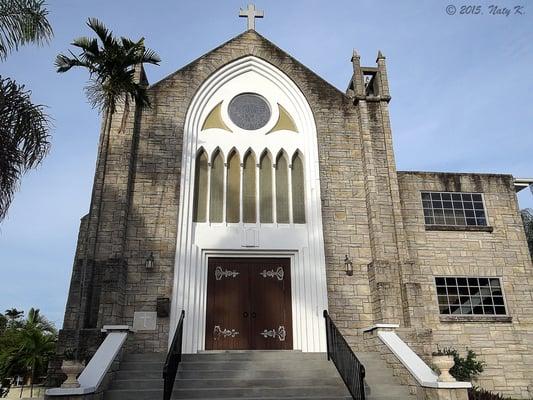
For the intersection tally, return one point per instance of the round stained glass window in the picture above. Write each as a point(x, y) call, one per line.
point(249, 111)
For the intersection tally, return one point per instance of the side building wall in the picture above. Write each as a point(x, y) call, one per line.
point(505, 344)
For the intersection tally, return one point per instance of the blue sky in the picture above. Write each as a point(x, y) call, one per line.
point(461, 86)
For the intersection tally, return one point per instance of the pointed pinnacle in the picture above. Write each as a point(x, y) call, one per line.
point(355, 55)
point(380, 55)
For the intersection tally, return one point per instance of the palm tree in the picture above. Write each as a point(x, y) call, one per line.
point(36, 349)
point(527, 218)
point(22, 22)
point(13, 314)
point(23, 125)
point(24, 138)
point(111, 63)
point(36, 320)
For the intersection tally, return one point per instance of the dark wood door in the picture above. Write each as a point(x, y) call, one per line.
point(249, 304)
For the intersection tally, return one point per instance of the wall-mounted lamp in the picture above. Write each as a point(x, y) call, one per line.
point(149, 263)
point(348, 265)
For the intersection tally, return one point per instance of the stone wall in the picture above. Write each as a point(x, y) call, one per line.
point(142, 187)
point(504, 344)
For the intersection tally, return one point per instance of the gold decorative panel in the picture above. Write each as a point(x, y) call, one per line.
point(214, 119)
point(285, 121)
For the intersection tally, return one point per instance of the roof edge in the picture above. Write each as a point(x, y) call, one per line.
point(237, 37)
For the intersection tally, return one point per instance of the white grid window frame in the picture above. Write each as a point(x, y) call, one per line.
point(454, 209)
point(470, 296)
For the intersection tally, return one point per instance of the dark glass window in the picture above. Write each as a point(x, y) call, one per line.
point(459, 209)
point(470, 296)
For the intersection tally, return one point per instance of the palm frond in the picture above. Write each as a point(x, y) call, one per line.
point(23, 22)
point(104, 34)
point(63, 63)
point(24, 138)
point(150, 57)
point(111, 64)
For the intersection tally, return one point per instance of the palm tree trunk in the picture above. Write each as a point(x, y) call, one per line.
point(32, 378)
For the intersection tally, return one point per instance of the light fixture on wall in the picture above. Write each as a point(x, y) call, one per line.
point(348, 265)
point(149, 263)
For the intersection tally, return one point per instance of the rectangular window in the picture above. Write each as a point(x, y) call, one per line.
point(470, 296)
point(454, 208)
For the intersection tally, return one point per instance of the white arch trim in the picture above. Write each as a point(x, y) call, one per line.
point(302, 243)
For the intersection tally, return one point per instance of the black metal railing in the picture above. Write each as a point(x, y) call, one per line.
point(173, 359)
point(350, 368)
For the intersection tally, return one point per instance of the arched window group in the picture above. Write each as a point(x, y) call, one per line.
point(250, 191)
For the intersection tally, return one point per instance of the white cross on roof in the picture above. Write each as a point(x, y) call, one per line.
point(251, 14)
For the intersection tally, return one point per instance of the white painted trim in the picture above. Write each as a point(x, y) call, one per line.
point(424, 375)
point(94, 373)
point(304, 241)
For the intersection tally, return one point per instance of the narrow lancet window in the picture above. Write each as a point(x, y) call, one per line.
point(282, 190)
point(265, 189)
point(298, 196)
point(233, 188)
point(216, 201)
point(248, 195)
point(200, 188)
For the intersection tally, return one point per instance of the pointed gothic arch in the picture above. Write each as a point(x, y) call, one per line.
point(216, 187)
point(197, 242)
point(249, 187)
point(298, 188)
point(282, 188)
point(233, 187)
point(265, 188)
point(200, 186)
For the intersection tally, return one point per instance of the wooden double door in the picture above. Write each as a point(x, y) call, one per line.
point(249, 304)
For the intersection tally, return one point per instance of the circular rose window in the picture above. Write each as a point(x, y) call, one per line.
point(249, 111)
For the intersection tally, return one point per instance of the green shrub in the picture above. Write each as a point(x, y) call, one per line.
point(477, 393)
point(465, 369)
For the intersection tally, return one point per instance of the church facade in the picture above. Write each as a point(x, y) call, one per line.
point(253, 195)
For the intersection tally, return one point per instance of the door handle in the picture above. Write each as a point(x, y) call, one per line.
point(245, 314)
point(254, 315)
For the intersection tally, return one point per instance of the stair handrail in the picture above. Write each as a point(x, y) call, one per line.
point(351, 370)
point(173, 359)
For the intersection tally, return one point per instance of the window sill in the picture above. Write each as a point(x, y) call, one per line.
point(459, 228)
point(476, 318)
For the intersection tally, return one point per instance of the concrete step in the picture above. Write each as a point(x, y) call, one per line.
point(202, 383)
point(230, 374)
point(158, 394)
point(251, 375)
point(259, 374)
point(272, 355)
point(279, 393)
point(254, 365)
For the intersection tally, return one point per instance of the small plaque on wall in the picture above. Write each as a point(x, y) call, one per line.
point(145, 320)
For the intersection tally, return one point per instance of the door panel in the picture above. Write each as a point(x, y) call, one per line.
point(249, 304)
point(271, 304)
point(228, 308)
